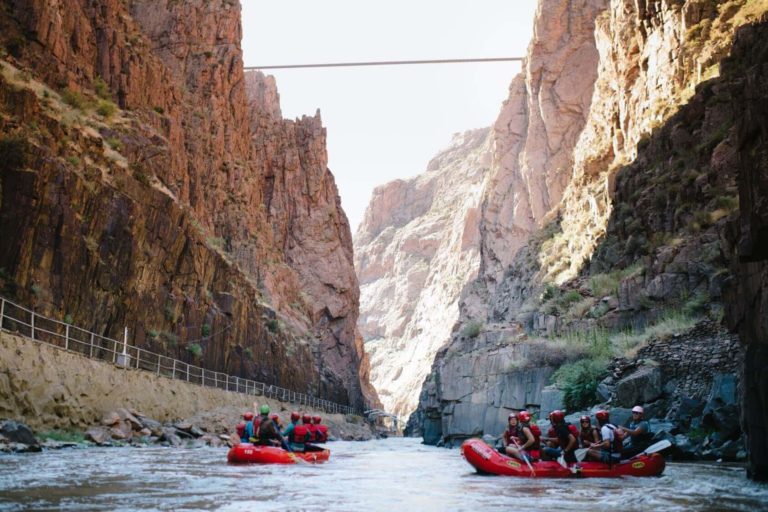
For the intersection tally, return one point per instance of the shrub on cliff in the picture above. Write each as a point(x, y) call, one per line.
point(579, 382)
point(472, 329)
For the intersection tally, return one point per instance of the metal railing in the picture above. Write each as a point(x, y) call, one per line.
point(25, 322)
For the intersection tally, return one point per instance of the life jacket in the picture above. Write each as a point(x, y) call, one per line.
point(322, 434)
point(512, 437)
point(616, 446)
point(300, 434)
point(572, 428)
point(240, 428)
point(312, 429)
point(536, 431)
point(586, 436)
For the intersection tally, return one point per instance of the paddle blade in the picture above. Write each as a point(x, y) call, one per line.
point(657, 447)
point(581, 453)
point(561, 461)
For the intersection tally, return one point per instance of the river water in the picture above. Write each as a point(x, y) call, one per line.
point(387, 475)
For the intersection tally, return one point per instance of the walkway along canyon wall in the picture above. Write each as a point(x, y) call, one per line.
point(641, 228)
point(148, 182)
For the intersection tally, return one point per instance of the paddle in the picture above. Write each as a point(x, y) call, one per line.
point(656, 447)
point(523, 455)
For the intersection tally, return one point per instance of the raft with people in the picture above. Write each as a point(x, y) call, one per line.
point(256, 454)
point(485, 459)
point(262, 440)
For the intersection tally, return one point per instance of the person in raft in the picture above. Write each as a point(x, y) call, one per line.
point(306, 421)
point(609, 449)
point(321, 431)
point(562, 440)
point(296, 433)
point(267, 433)
point(588, 433)
point(531, 435)
point(638, 435)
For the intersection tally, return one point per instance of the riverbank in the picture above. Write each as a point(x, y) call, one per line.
point(52, 390)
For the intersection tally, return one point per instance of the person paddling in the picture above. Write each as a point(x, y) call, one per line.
point(638, 434)
point(531, 435)
point(562, 442)
point(609, 449)
point(268, 434)
point(321, 431)
point(296, 433)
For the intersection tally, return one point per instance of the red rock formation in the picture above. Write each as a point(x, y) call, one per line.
point(169, 208)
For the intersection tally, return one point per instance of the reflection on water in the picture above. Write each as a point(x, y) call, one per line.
point(393, 474)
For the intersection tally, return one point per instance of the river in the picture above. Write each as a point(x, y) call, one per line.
point(387, 475)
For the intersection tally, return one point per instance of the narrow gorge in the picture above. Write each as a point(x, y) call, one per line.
point(619, 226)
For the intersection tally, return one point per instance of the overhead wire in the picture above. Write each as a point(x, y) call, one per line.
point(385, 63)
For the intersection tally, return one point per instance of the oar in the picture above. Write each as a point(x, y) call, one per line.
point(656, 447)
point(523, 455)
point(581, 453)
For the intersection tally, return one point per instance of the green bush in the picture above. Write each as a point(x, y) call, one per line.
point(273, 325)
point(206, 330)
point(74, 98)
point(102, 89)
point(62, 436)
point(579, 382)
point(472, 329)
point(106, 109)
point(195, 349)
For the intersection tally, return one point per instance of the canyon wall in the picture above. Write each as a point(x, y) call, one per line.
point(641, 231)
point(155, 185)
point(414, 251)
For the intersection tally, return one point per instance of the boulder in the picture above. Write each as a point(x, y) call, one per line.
point(688, 409)
point(684, 448)
point(99, 435)
point(605, 389)
point(111, 419)
point(127, 416)
point(552, 398)
point(15, 432)
point(641, 386)
point(155, 427)
point(170, 436)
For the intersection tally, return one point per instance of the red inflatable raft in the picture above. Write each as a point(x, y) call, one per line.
point(487, 460)
point(248, 453)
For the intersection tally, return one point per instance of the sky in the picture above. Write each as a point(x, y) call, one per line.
point(386, 123)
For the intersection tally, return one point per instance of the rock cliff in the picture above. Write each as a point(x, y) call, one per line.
point(152, 184)
point(414, 251)
point(640, 234)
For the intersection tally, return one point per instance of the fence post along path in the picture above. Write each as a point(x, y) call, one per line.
point(21, 321)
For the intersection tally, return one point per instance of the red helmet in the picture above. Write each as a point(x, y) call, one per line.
point(601, 415)
point(248, 416)
point(585, 418)
point(275, 418)
point(317, 419)
point(557, 416)
point(306, 419)
point(295, 416)
point(512, 415)
point(524, 416)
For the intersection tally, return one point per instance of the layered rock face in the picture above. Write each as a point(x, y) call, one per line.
point(658, 227)
point(414, 251)
point(537, 130)
point(173, 211)
point(748, 294)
